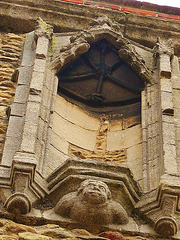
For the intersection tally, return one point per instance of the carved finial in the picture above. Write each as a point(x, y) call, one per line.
point(164, 47)
point(104, 22)
point(43, 29)
point(92, 204)
point(163, 53)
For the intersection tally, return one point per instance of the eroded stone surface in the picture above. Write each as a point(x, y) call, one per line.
point(92, 204)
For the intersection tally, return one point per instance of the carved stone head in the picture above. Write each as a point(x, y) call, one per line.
point(94, 192)
point(91, 204)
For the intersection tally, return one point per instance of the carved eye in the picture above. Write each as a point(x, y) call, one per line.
point(102, 188)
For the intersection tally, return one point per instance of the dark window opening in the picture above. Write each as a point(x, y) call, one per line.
point(100, 78)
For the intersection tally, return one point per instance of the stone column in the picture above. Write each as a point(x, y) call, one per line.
point(165, 52)
point(43, 34)
point(25, 182)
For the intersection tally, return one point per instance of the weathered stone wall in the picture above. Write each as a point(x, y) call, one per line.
point(10, 56)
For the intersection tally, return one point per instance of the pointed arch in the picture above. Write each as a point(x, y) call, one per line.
point(103, 28)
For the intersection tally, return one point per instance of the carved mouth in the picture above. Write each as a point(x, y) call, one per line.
point(93, 193)
point(94, 196)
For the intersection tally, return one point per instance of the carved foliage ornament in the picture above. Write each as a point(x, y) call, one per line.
point(164, 47)
point(43, 29)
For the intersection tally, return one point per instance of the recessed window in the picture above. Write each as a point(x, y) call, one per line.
point(100, 78)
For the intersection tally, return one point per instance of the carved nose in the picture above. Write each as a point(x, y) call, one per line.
point(95, 188)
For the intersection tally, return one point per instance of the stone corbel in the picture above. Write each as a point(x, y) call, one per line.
point(161, 210)
point(26, 191)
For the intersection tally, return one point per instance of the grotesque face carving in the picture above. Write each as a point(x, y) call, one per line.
point(94, 192)
point(91, 204)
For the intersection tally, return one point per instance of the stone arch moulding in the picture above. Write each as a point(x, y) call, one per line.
point(101, 28)
point(26, 147)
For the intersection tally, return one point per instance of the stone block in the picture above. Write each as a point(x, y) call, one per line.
point(166, 100)
point(176, 98)
point(75, 114)
point(44, 113)
point(22, 92)
point(134, 160)
point(175, 65)
point(144, 135)
point(73, 133)
point(15, 126)
point(154, 93)
point(170, 164)
point(46, 97)
point(155, 148)
point(175, 81)
point(165, 67)
point(42, 47)
point(154, 173)
point(5, 172)
point(37, 81)
point(32, 112)
point(144, 117)
point(29, 137)
point(168, 118)
point(168, 133)
point(12, 145)
point(39, 65)
point(59, 143)
point(166, 85)
point(41, 125)
point(40, 150)
point(35, 98)
point(18, 109)
point(45, 132)
point(25, 74)
point(124, 139)
point(56, 158)
point(154, 128)
point(149, 116)
point(49, 79)
point(29, 50)
point(177, 130)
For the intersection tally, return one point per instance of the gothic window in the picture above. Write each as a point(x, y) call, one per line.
point(100, 78)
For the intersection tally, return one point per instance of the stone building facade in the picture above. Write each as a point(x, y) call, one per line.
point(89, 131)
